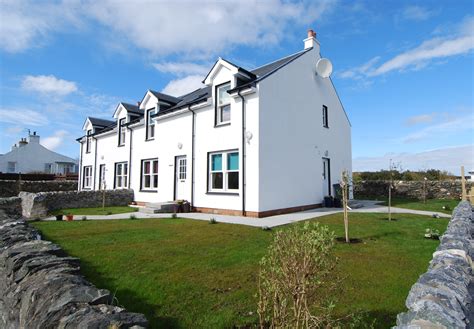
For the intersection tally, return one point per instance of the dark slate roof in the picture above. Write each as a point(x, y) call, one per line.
point(96, 122)
point(132, 108)
point(166, 98)
point(273, 66)
point(197, 96)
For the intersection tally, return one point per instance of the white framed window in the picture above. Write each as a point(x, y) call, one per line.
point(88, 141)
point(121, 175)
point(150, 124)
point(48, 168)
point(325, 117)
point(182, 168)
point(121, 132)
point(149, 174)
point(222, 104)
point(224, 171)
point(87, 177)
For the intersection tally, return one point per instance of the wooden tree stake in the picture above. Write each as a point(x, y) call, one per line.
point(463, 184)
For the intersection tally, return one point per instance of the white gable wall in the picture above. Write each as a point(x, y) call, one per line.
point(293, 139)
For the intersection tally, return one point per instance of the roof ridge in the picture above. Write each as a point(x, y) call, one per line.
point(279, 59)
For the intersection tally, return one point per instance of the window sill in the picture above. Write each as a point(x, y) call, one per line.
point(87, 188)
point(327, 127)
point(222, 193)
point(149, 139)
point(149, 191)
point(222, 124)
point(120, 145)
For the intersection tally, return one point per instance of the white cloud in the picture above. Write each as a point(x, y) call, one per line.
point(48, 84)
point(417, 13)
point(23, 117)
point(179, 87)
point(28, 24)
point(449, 126)
point(53, 142)
point(449, 158)
point(460, 43)
point(422, 118)
point(202, 28)
point(182, 68)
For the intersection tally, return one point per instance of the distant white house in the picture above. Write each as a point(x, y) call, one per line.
point(249, 142)
point(30, 156)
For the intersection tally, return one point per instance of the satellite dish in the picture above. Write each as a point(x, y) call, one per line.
point(324, 67)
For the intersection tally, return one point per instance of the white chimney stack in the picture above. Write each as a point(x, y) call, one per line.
point(311, 41)
point(34, 138)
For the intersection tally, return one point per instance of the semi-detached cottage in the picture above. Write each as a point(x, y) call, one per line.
point(249, 142)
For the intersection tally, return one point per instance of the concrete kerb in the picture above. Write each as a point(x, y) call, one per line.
point(272, 221)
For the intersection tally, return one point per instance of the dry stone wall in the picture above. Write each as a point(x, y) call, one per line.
point(41, 286)
point(411, 189)
point(11, 206)
point(443, 296)
point(10, 188)
point(37, 205)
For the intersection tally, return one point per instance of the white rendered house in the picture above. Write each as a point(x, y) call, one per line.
point(255, 143)
point(30, 156)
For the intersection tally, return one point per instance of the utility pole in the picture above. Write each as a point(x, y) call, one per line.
point(390, 192)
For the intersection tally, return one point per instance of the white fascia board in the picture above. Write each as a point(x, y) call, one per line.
point(215, 69)
point(244, 92)
point(119, 109)
point(84, 126)
point(172, 114)
point(202, 104)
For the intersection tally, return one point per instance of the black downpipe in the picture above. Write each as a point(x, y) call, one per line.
point(95, 160)
point(130, 157)
point(193, 135)
point(244, 212)
point(79, 185)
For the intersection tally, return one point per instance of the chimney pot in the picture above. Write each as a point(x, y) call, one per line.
point(138, 103)
point(311, 33)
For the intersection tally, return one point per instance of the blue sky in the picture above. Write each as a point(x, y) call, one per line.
point(403, 69)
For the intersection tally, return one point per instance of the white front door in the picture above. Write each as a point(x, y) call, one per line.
point(181, 177)
point(326, 177)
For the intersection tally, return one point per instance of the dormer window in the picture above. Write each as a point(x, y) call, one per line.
point(88, 141)
point(222, 104)
point(150, 124)
point(121, 132)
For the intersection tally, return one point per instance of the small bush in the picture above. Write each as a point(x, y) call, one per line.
point(174, 215)
point(132, 216)
point(109, 213)
point(446, 207)
point(84, 218)
point(431, 234)
point(212, 221)
point(266, 228)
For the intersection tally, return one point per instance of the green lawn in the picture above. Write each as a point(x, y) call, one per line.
point(435, 205)
point(95, 211)
point(186, 273)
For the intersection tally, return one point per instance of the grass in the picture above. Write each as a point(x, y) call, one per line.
point(95, 211)
point(434, 205)
point(186, 273)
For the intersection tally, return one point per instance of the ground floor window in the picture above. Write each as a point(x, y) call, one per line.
point(121, 175)
point(87, 177)
point(149, 174)
point(224, 171)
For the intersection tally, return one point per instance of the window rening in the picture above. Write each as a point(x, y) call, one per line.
point(150, 124)
point(149, 174)
point(121, 175)
point(222, 104)
point(325, 116)
point(224, 171)
point(121, 132)
point(87, 177)
point(88, 141)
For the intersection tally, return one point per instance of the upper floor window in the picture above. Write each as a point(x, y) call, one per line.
point(11, 167)
point(222, 104)
point(224, 171)
point(325, 116)
point(88, 141)
point(121, 132)
point(150, 124)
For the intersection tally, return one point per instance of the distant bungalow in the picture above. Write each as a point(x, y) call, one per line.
point(30, 156)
